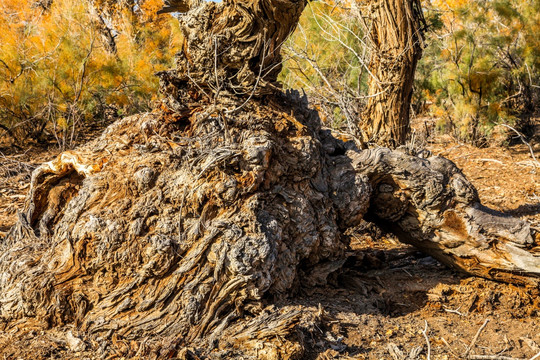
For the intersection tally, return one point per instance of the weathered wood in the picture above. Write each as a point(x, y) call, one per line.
point(397, 43)
point(429, 203)
point(232, 47)
point(172, 227)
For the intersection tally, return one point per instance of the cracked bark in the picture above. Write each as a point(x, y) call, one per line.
point(176, 228)
point(397, 42)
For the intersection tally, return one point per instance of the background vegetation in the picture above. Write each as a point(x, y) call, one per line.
point(68, 63)
point(480, 68)
point(65, 64)
point(328, 57)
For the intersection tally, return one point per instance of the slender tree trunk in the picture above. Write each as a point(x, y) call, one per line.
point(397, 41)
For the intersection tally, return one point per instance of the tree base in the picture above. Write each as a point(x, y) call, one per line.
point(169, 228)
point(176, 228)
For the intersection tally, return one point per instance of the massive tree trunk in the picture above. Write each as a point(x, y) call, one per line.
point(175, 228)
point(397, 42)
point(234, 48)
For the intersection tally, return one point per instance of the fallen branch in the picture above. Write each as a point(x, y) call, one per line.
point(466, 354)
point(424, 332)
point(522, 138)
point(492, 357)
point(490, 160)
point(449, 347)
point(456, 311)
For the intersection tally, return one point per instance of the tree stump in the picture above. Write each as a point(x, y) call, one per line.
point(175, 228)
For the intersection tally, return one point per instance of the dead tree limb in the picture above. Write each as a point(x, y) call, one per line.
point(429, 203)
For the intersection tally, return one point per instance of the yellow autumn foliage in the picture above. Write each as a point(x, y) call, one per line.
point(75, 62)
point(482, 65)
point(58, 69)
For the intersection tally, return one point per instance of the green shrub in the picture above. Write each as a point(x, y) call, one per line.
point(481, 67)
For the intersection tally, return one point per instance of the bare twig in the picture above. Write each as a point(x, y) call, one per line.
point(490, 160)
point(466, 354)
point(10, 166)
point(535, 357)
point(449, 347)
point(424, 332)
point(218, 85)
point(530, 343)
point(254, 86)
point(522, 138)
point(395, 352)
point(454, 311)
point(492, 357)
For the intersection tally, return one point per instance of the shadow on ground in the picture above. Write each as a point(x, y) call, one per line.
point(524, 210)
point(375, 289)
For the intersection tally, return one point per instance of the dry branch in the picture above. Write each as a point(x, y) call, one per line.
point(475, 338)
point(424, 332)
point(492, 357)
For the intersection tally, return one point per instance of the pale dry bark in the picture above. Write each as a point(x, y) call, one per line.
point(429, 203)
point(397, 41)
point(175, 228)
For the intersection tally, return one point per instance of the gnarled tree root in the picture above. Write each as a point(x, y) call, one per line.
point(147, 235)
point(431, 205)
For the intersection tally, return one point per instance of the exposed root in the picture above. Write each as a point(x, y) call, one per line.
point(169, 234)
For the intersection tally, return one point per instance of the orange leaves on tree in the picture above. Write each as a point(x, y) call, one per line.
point(57, 63)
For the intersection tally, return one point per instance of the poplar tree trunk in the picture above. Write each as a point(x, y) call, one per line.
point(170, 234)
point(397, 42)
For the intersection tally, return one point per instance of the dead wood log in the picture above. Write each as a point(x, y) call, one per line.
point(429, 203)
point(173, 228)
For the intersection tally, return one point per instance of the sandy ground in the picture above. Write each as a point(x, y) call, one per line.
point(393, 302)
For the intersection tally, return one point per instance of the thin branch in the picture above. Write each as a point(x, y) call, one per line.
point(522, 138)
point(492, 357)
point(449, 347)
point(254, 86)
point(466, 354)
point(424, 332)
point(83, 71)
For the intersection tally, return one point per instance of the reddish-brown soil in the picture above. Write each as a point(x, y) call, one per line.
point(392, 301)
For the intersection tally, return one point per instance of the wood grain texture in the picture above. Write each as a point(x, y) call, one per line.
point(430, 204)
point(170, 234)
point(397, 42)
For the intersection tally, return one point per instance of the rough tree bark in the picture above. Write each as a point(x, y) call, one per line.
point(397, 42)
point(177, 227)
